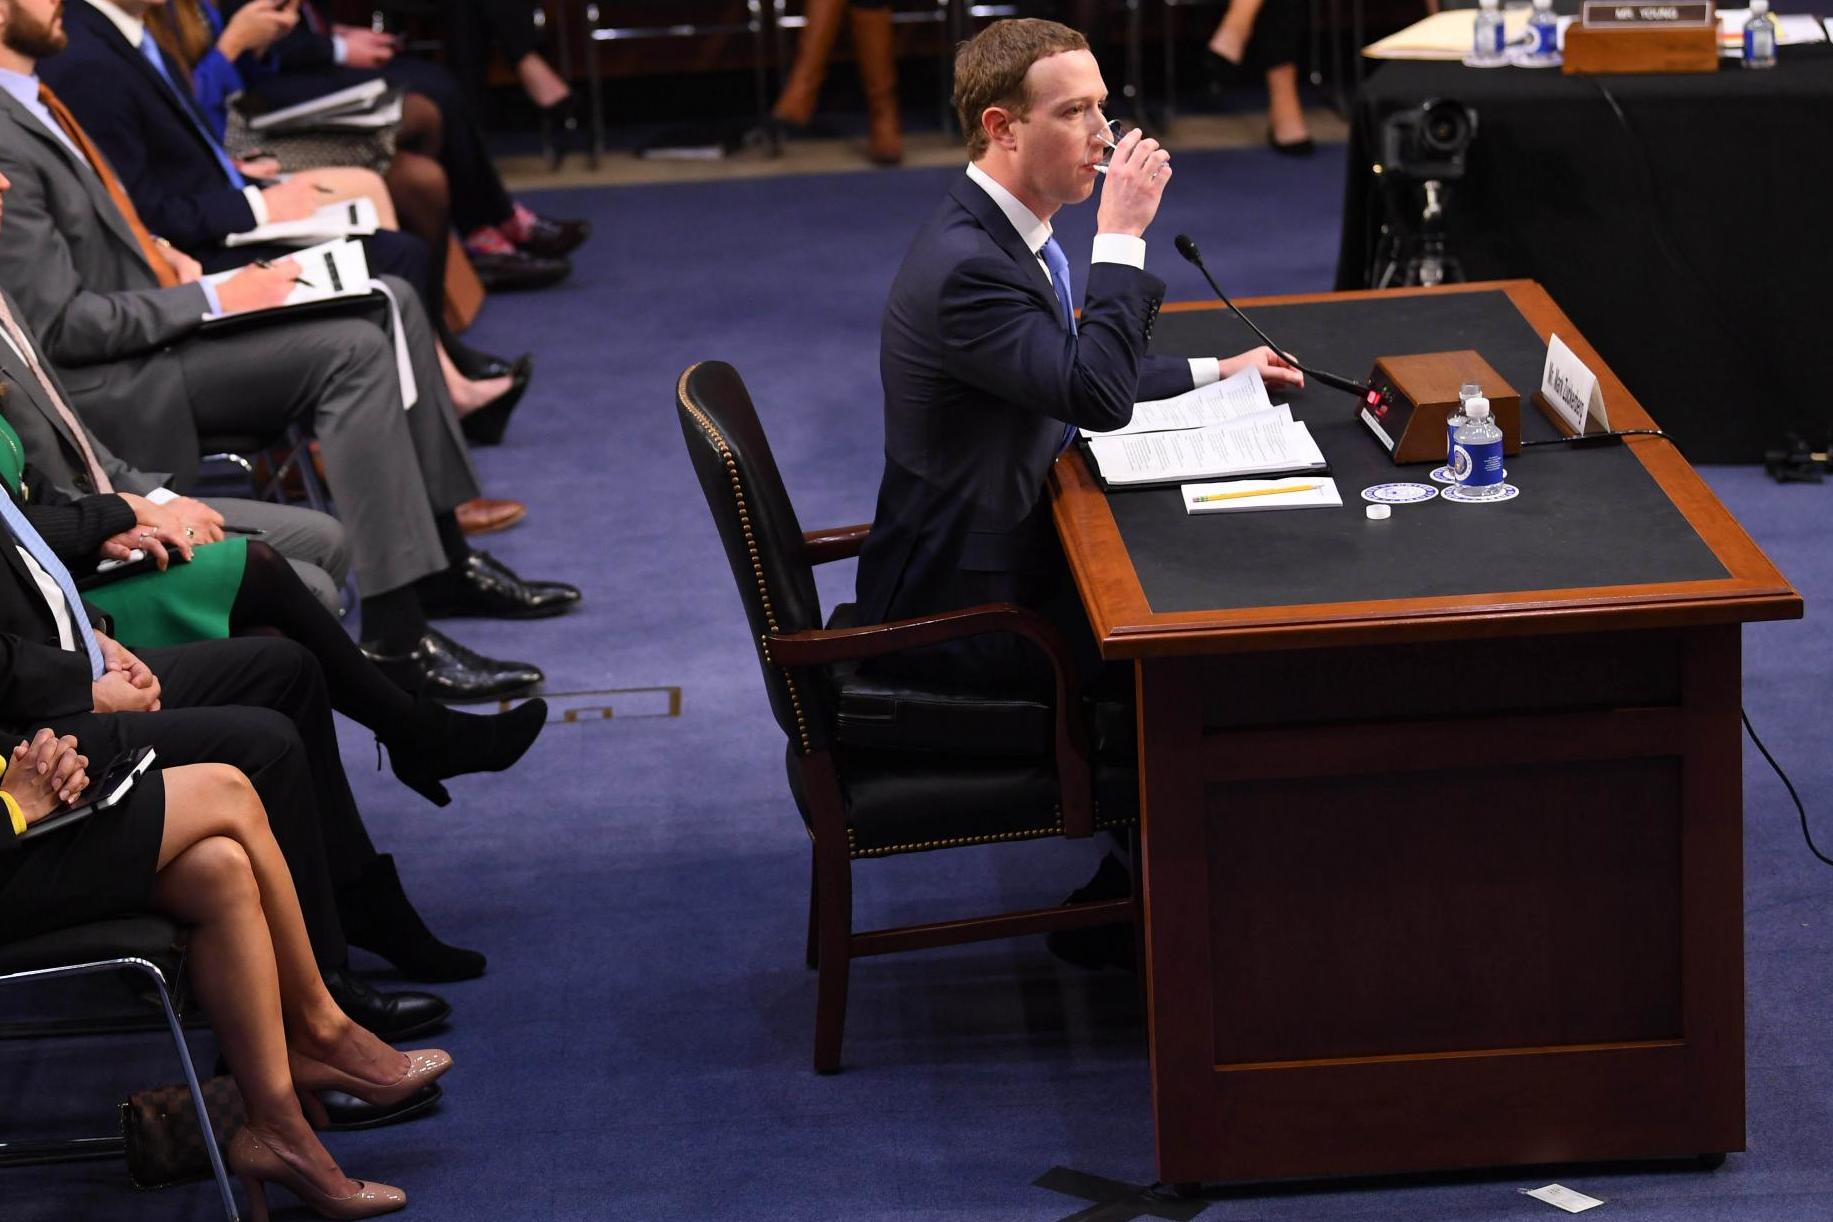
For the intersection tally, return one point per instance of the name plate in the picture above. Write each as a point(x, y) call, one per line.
point(1681, 14)
point(1570, 389)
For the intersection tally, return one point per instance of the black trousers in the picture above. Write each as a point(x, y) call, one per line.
point(257, 703)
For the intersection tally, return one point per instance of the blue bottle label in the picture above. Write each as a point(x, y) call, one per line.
point(1546, 40)
point(1450, 442)
point(1752, 35)
point(1477, 464)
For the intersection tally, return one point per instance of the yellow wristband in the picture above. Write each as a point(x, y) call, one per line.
point(13, 812)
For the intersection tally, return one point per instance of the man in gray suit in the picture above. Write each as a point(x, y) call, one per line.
point(124, 333)
point(62, 450)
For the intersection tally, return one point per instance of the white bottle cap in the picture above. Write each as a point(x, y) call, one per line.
point(1378, 513)
point(1477, 408)
point(1543, 5)
point(1758, 7)
point(1487, 4)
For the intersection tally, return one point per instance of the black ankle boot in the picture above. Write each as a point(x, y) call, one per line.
point(440, 743)
point(378, 917)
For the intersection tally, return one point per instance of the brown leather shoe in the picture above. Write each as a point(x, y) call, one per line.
point(483, 516)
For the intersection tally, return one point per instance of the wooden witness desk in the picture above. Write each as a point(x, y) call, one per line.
point(1443, 879)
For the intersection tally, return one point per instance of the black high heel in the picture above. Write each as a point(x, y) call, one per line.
point(486, 425)
point(443, 743)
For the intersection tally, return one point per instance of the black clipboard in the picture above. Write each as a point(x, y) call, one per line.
point(115, 783)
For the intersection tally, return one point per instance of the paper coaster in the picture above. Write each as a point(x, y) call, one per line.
point(1399, 494)
point(1463, 497)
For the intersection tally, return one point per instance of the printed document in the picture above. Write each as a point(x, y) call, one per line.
point(1258, 446)
point(1230, 401)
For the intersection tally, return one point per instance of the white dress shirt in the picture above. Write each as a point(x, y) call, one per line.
point(1108, 248)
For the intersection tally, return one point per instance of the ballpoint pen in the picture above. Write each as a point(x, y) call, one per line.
point(268, 265)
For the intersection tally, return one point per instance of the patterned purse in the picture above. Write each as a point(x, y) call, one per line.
point(165, 1146)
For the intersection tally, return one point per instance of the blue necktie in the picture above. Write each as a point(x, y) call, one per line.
point(150, 50)
point(1058, 263)
point(34, 543)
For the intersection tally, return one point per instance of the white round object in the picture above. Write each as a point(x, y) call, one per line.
point(1377, 513)
point(1399, 493)
point(1477, 408)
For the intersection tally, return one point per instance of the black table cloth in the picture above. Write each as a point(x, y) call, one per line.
point(1585, 517)
point(1690, 240)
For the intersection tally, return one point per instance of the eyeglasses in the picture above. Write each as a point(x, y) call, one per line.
point(1111, 133)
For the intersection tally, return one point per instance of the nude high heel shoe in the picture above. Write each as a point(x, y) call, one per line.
point(424, 1066)
point(258, 1165)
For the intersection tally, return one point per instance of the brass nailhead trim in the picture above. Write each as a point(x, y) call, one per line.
point(1056, 829)
point(744, 521)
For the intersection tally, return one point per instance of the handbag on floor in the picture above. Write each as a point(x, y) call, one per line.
point(165, 1146)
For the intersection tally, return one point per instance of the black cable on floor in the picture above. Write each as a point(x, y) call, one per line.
point(1787, 784)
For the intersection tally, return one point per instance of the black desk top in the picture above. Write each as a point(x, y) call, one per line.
point(1585, 518)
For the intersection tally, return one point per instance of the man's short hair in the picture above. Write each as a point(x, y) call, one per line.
point(990, 70)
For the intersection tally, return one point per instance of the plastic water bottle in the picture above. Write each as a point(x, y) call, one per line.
point(1487, 48)
point(1476, 452)
point(1760, 37)
point(1455, 421)
point(1543, 35)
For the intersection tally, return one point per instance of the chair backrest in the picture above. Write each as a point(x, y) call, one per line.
point(762, 537)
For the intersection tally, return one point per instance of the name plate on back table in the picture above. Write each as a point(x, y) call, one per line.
point(1569, 392)
point(1609, 14)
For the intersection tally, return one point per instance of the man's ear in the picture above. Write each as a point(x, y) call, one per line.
point(998, 122)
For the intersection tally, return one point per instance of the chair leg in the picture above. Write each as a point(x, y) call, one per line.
point(834, 885)
point(197, 1093)
point(1135, 868)
point(812, 955)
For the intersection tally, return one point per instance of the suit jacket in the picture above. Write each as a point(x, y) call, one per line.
point(51, 449)
point(981, 373)
point(84, 290)
point(153, 135)
point(39, 679)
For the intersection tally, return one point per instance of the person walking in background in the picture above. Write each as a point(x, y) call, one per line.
point(1264, 36)
point(877, 56)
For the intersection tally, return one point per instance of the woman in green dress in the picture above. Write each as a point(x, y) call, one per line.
point(241, 585)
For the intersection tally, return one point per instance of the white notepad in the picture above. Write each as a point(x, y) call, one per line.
point(331, 269)
point(346, 219)
point(1316, 492)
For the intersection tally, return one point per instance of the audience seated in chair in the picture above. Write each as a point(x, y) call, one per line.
point(86, 276)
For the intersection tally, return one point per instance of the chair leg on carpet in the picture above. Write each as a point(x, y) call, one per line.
point(834, 883)
point(812, 955)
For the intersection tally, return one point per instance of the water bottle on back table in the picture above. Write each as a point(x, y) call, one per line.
point(1542, 50)
point(1760, 37)
point(1487, 49)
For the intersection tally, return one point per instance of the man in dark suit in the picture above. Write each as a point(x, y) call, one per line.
point(140, 111)
point(317, 57)
point(257, 703)
point(987, 373)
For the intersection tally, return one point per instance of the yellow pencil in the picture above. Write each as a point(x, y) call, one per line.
point(1245, 492)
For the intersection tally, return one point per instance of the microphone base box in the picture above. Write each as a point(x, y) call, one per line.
point(1412, 395)
point(1592, 50)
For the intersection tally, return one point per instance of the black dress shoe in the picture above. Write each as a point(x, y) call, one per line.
point(481, 586)
point(480, 365)
point(486, 425)
point(562, 131)
point(344, 1113)
point(511, 273)
point(390, 1016)
point(1292, 148)
point(443, 669)
point(550, 239)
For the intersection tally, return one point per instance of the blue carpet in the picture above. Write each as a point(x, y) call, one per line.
point(640, 1046)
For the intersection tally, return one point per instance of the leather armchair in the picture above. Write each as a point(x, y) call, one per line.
point(881, 767)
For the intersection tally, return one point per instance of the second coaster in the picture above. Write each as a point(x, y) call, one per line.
point(1463, 496)
point(1399, 494)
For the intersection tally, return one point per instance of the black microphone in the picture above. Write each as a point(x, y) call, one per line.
point(1188, 249)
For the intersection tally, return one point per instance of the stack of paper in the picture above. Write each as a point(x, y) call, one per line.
point(335, 269)
point(372, 104)
point(351, 218)
point(1252, 495)
point(1229, 428)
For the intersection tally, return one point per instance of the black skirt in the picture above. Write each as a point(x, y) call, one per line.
point(101, 867)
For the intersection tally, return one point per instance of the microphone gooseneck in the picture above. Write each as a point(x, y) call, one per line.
point(1188, 249)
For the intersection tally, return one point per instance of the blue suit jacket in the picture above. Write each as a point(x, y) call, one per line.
point(980, 374)
point(148, 132)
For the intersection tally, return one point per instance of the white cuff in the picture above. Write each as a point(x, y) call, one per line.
point(1119, 248)
point(256, 205)
point(340, 49)
point(1204, 370)
point(211, 300)
point(161, 495)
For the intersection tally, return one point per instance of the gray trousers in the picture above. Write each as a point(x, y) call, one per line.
point(312, 542)
point(390, 471)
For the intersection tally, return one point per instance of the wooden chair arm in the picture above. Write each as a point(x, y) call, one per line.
point(835, 543)
point(1075, 785)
